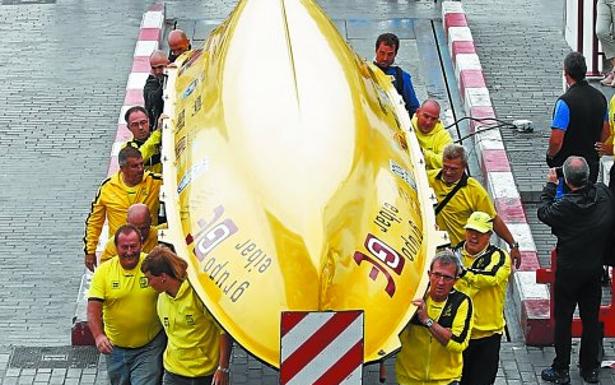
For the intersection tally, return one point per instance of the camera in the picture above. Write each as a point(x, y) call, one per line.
point(559, 171)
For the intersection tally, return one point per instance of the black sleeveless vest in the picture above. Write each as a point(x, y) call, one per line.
point(587, 108)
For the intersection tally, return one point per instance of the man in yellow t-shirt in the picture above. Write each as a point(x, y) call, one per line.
point(606, 147)
point(430, 133)
point(433, 342)
point(121, 300)
point(484, 278)
point(459, 196)
point(130, 185)
point(138, 216)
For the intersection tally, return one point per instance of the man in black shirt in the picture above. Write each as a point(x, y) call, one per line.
point(152, 92)
point(582, 220)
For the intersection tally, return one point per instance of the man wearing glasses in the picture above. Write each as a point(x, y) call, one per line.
point(433, 342)
point(147, 142)
point(484, 277)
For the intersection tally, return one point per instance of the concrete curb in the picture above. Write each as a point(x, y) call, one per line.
point(148, 40)
point(530, 297)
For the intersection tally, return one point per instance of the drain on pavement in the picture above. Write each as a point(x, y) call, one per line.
point(81, 357)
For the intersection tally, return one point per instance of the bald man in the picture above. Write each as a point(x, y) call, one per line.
point(178, 43)
point(138, 216)
point(152, 92)
point(581, 220)
point(430, 133)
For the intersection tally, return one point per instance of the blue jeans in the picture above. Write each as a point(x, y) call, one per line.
point(140, 366)
point(175, 379)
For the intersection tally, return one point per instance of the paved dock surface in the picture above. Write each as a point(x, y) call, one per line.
point(65, 66)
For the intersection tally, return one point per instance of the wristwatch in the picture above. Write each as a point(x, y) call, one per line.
point(514, 245)
point(428, 322)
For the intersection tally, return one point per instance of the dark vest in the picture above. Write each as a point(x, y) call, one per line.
point(587, 108)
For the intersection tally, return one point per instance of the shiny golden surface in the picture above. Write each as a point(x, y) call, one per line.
point(290, 183)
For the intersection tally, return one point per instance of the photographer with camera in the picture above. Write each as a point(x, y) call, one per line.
point(582, 220)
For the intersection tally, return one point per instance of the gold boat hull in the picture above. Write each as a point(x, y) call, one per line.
point(292, 181)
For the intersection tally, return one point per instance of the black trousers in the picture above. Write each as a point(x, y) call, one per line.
point(480, 361)
point(574, 287)
point(594, 170)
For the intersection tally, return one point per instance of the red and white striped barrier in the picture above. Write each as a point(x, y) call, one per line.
point(532, 298)
point(321, 348)
point(148, 40)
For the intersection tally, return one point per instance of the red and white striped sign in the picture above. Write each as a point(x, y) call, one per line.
point(321, 348)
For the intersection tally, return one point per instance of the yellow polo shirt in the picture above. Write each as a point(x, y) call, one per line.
point(149, 150)
point(432, 143)
point(129, 304)
point(425, 361)
point(470, 198)
point(193, 347)
point(151, 242)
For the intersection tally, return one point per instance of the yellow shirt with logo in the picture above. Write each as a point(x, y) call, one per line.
point(112, 201)
point(432, 143)
point(151, 242)
point(129, 304)
point(149, 149)
point(193, 347)
point(485, 281)
point(470, 198)
point(425, 361)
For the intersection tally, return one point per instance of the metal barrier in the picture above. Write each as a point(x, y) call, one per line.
point(607, 312)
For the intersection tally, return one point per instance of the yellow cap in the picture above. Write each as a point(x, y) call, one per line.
point(480, 222)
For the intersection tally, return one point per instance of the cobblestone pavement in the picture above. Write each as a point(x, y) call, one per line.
point(521, 47)
point(64, 69)
point(519, 364)
point(65, 66)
